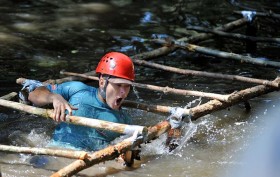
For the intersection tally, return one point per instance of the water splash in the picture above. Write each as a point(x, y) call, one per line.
point(190, 104)
point(249, 15)
point(156, 147)
point(135, 91)
point(147, 18)
point(188, 130)
point(39, 137)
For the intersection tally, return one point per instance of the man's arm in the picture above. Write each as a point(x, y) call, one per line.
point(42, 96)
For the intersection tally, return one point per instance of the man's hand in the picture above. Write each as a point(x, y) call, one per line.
point(41, 96)
point(60, 105)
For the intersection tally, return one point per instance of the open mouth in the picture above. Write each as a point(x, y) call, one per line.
point(118, 101)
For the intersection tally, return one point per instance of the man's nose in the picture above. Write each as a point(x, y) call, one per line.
point(122, 90)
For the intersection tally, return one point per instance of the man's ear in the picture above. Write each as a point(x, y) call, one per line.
point(101, 82)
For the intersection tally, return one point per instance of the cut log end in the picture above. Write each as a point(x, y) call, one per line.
point(20, 80)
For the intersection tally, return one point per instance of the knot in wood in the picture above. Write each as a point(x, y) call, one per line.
point(190, 48)
point(166, 90)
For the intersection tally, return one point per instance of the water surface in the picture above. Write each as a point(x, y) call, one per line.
point(40, 38)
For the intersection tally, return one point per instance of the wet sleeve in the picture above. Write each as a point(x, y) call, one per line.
point(67, 89)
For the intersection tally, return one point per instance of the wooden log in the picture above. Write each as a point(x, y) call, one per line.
point(165, 90)
point(79, 75)
point(152, 108)
point(126, 103)
point(88, 122)
point(206, 74)
point(163, 50)
point(9, 96)
point(193, 39)
point(234, 35)
point(111, 152)
point(220, 54)
point(227, 27)
point(227, 55)
point(71, 78)
point(243, 95)
point(83, 164)
point(46, 151)
point(268, 14)
point(59, 81)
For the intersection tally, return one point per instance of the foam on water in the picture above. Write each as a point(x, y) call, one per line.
point(188, 130)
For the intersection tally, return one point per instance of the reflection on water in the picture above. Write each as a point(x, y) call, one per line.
point(261, 157)
point(40, 38)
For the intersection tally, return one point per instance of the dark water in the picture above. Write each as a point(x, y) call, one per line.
point(38, 39)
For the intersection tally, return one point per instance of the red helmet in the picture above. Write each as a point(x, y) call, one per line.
point(116, 64)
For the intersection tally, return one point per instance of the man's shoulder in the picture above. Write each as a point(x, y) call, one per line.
point(75, 83)
point(79, 85)
point(76, 87)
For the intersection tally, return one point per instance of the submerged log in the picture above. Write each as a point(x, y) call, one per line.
point(111, 152)
point(88, 122)
point(220, 54)
point(193, 39)
point(165, 90)
point(235, 35)
point(264, 14)
point(227, 27)
point(46, 151)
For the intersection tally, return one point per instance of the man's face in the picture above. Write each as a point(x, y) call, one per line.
point(115, 93)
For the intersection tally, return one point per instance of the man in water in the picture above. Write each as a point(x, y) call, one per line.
point(116, 74)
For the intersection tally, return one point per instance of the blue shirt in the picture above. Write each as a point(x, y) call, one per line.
point(85, 98)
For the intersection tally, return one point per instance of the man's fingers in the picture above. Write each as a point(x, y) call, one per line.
point(59, 114)
point(55, 114)
point(74, 108)
point(62, 113)
point(70, 108)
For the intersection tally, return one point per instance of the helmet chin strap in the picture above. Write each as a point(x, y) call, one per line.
point(103, 90)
